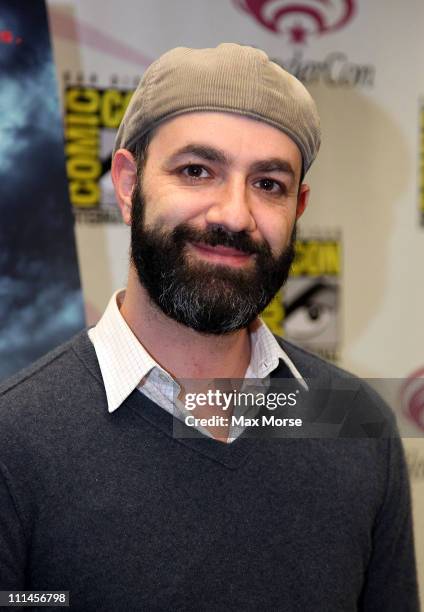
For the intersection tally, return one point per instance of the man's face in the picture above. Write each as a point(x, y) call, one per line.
point(212, 229)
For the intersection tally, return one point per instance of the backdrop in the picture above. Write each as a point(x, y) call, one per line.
point(356, 295)
point(40, 296)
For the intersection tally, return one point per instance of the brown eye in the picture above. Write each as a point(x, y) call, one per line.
point(271, 186)
point(267, 184)
point(195, 171)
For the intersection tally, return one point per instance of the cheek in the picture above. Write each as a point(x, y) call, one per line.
point(170, 206)
point(276, 230)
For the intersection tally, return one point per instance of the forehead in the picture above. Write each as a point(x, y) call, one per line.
point(241, 138)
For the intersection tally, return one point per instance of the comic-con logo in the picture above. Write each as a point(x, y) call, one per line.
point(412, 396)
point(300, 19)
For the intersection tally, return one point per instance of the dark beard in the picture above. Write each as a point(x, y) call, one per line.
point(207, 297)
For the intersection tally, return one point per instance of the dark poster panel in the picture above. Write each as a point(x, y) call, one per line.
point(40, 295)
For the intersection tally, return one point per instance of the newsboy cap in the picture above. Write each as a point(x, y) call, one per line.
point(229, 78)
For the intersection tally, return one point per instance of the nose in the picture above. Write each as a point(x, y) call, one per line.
point(231, 207)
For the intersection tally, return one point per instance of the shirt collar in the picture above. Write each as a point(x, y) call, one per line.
point(266, 353)
point(124, 362)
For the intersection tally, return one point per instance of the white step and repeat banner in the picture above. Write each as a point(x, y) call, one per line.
point(356, 295)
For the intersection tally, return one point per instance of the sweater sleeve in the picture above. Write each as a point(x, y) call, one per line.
point(391, 582)
point(12, 538)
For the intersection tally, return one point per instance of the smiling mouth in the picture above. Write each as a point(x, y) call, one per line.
point(221, 254)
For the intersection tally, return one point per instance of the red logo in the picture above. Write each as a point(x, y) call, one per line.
point(412, 396)
point(300, 19)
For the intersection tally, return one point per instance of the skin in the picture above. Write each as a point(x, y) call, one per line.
point(236, 193)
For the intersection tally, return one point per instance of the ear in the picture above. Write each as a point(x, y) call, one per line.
point(124, 178)
point(302, 199)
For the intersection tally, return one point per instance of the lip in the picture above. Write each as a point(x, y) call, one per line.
point(221, 254)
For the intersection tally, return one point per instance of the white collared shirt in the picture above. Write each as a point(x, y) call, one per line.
point(126, 365)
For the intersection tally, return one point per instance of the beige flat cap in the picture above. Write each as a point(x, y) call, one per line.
point(230, 78)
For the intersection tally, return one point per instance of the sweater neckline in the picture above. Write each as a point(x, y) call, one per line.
point(231, 455)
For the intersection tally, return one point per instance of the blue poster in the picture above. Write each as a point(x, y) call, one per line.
point(40, 294)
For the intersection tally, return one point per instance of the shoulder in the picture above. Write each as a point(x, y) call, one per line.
point(368, 436)
point(53, 382)
point(37, 368)
point(311, 365)
point(365, 402)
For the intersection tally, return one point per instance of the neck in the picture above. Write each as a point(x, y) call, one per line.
point(180, 350)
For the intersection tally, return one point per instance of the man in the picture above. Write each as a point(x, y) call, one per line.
point(98, 496)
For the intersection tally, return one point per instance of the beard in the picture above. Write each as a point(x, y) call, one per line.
point(209, 298)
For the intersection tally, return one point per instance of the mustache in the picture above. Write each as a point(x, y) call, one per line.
point(219, 236)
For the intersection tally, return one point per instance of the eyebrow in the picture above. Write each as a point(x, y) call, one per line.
point(202, 151)
point(273, 164)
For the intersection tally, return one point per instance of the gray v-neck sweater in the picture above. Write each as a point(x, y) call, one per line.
point(114, 509)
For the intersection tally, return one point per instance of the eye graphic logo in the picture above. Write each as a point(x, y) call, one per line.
point(299, 19)
point(412, 397)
